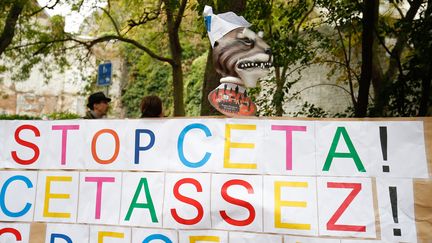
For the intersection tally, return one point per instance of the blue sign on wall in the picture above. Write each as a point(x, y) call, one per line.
point(104, 74)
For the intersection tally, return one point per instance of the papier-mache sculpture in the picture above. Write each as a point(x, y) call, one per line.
point(240, 56)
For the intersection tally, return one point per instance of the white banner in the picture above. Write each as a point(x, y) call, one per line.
point(211, 180)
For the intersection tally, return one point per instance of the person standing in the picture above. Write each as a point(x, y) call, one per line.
point(98, 105)
point(151, 106)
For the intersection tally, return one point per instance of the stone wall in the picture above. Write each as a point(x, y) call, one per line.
point(63, 92)
point(316, 88)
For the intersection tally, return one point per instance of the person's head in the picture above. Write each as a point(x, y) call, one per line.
point(98, 103)
point(151, 106)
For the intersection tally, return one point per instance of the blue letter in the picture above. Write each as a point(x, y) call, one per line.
point(137, 142)
point(157, 237)
point(3, 194)
point(61, 236)
point(180, 145)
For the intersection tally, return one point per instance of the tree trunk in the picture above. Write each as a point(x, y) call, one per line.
point(173, 25)
point(211, 77)
point(211, 81)
point(367, 57)
point(178, 90)
point(9, 27)
point(278, 95)
point(177, 71)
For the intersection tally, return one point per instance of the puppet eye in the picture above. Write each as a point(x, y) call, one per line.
point(247, 41)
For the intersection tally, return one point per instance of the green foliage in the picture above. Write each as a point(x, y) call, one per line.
point(35, 43)
point(301, 33)
point(193, 85)
point(310, 110)
point(411, 93)
point(52, 116)
point(293, 46)
point(146, 77)
point(18, 117)
point(63, 116)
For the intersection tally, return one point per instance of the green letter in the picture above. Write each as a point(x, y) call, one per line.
point(352, 152)
point(149, 204)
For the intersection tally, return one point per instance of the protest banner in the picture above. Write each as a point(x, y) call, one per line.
point(216, 180)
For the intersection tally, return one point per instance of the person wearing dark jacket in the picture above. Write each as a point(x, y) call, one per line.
point(98, 106)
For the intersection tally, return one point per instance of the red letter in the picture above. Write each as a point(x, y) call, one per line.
point(26, 144)
point(238, 202)
point(187, 200)
point(12, 231)
point(331, 224)
point(64, 129)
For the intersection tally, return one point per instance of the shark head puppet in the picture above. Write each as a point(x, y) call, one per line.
point(240, 55)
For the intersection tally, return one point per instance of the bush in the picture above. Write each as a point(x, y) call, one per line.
point(18, 117)
point(52, 116)
point(63, 116)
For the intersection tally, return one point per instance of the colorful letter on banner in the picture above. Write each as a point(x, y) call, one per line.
point(346, 207)
point(239, 149)
point(96, 150)
point(344, 148)
point(242, 237)
point(14, 232)
point(180, 146)
point(102, 192)
point(24, 139)
point(236, 202)
point(396, 207)
point(138, 146)
point(17, 195)
point(187, 201)
point(202, 236)
point(293, 203)
point(62, 233)
point(289, 148)
point(64, 132)
point(142, 199)
point(141, 235)
point(57, 196)
point(110, 234)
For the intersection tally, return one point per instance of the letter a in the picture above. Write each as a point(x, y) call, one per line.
point(351, 154)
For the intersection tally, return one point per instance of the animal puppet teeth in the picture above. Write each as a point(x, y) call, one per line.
point(255, 65)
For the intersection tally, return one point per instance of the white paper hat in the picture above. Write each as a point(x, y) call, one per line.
point(220, 24)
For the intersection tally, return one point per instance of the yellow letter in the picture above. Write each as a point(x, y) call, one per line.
point(229, 145)
point(49, 195)
point(194, 239)
point(103, 234)
point(279, 204)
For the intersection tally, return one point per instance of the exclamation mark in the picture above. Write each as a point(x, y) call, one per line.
point(383, 138)
point(393, 201)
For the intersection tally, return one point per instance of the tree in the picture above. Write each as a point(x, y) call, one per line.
point(283, 23)
point(392, 91)
point(24, 40)
point(369, 25)
point(122, 29)
point(364, 47)
point(13, 9)
point(173, 14)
